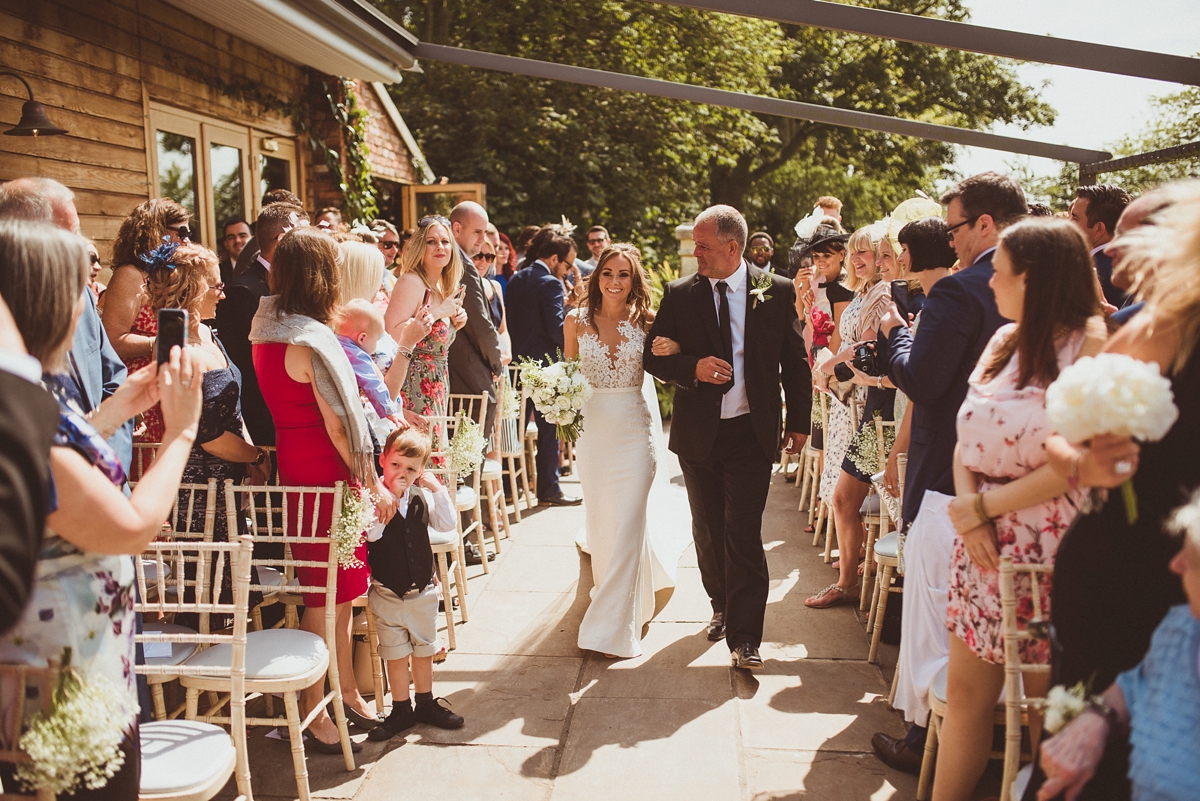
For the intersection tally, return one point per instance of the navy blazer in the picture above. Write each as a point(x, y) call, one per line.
point(97, 371)
point(957, 320)
point(534, 300)
point(1104, 268)
point(234, 315)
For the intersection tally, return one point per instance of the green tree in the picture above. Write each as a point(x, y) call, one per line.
point(1176, 122)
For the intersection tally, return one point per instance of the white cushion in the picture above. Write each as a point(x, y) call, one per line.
point(937, 688)
point(464, 499)
point(150, 569)
point(271, 654)
point(888, 545)
point(269, 576)
point(491, 469)
point(442, 537)
point(531, 430)
point(179, 755)
point(180, 651)
point(870, 505)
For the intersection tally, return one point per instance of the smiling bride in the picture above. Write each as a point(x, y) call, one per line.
point(619, 455)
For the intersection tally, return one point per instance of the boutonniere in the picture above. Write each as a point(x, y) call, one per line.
point(758, 290)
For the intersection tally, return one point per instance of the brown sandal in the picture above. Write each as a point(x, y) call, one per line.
point(833, 595)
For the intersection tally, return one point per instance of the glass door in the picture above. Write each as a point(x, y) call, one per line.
point(421, 201)
point(275, 166)
point(177, 163)
point(228, 184)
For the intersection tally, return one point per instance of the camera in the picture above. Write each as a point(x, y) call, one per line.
point(866, 360)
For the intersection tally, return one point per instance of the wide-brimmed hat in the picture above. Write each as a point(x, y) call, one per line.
point(823, 235)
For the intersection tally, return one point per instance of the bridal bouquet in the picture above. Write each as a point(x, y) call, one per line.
point(558, 391)
point(1112, 394)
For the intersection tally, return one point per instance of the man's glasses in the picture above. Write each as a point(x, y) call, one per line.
point(969, 221)
point(389, 245)
point(760, 249)
point(488, 257)
point(431, 219)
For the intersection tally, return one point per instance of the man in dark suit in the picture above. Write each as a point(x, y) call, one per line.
point(1096, 210)
point(235, 236)
point(535, 323)
point(932, 368)
point(250, 252)
point(475, 353)
point(236, 312)
point(733, 323)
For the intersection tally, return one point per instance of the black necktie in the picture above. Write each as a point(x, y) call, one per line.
point(726, 333)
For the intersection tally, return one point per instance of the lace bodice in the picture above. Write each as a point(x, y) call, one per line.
point(597, 361)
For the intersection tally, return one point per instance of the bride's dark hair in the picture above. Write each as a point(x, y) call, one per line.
point(639, 290)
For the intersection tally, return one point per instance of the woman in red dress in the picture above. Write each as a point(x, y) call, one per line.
point(319, 442)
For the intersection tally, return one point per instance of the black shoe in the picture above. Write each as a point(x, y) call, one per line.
point(896, 753)
point(401, 719)
point(437, 713)
point(362, 721)
point(472, 554)
point(746, 656)
point(321, 747)
point(560, 500)
point(716, 627)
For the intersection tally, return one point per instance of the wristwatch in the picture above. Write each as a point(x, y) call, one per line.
point(879, 382)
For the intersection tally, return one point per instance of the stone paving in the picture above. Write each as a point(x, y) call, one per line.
point(547, 721)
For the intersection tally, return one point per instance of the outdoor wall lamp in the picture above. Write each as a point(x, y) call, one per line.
point(34, 121)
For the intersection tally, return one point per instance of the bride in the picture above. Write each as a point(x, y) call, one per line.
point(618, 455)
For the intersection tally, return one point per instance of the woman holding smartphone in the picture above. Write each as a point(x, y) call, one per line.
point(429, 275)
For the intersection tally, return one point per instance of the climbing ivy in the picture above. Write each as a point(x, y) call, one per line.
point(358, 192)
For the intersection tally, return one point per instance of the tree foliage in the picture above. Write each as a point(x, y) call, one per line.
point(641, 165)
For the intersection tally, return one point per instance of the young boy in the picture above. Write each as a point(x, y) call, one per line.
point(359, 327)
point(403, 596)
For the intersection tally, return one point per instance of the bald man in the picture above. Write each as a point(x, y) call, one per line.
point(1136, 214)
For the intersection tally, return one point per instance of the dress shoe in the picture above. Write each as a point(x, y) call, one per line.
point(399, 721)
point(746, 656)
point(895, 753)
point(716, 627)
point(311, 742)
point(438, 713)
point(472, 554)
point(561, 500)
point(362, 721)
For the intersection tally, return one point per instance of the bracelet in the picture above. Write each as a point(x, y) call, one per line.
point(1073, 476)
point(979, 512)
point(405, 352)
point(879, 382)
point(1096, 704)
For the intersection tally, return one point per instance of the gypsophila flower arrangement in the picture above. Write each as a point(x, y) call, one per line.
point(358, 513)
point(466, 446)
point(510, 402)
point(558, 391)
point(77, 741)
point(1112, 394)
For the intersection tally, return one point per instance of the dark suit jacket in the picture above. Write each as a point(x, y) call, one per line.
point(234, 315)
point(475, 353)
point(28, 419)
point(535, 313)
point(1104, 268)
point(774, 354)
point(98, 371)
point(957, 320)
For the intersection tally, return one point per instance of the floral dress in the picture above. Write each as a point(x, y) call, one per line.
point(1002, 432)
point(150, 429)
point(427, 386)
point(839, 428)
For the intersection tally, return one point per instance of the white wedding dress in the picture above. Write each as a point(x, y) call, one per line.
point(634, 551)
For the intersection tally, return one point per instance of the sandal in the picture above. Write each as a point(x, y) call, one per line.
point(833, 595)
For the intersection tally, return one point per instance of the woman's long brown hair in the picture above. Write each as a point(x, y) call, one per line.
point(305, 275)
point(1060, 295)
point(639, 290)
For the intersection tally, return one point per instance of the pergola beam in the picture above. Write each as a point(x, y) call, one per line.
point(755, 103)
point(962, 36)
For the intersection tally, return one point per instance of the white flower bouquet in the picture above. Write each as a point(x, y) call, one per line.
point(466, 447)
point(1112, 394)
point(78, 739)
point(510, 401)
point(558, 391)
point(358, 513)
point(1061, 706)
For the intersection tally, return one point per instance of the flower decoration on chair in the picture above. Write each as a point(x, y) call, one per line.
point(510, 401)
point(558, 391)
point(77, 741)
point(1112, 394)
point(466, 447)
point(358, 513)
point(160, 258)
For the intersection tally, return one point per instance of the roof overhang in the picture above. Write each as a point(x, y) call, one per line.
point(347, 38)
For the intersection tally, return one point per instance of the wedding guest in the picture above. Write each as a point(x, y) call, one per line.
point(760, 249)
point(1102, 633)
point(1040, 210)
point(322, 436)
point(82, 603)
point(598, 241)
point(95, 369)
point(249, 254)
point(931, 367)
point(521, 243)
point(484, 263)
point(388, 241)
point(1042, 279)
point(235, 313)
point(1133, 267)
point(236, 235)
point(535, 318)
point(359, 326)
point(1095, 210)
point(129, 325)
point(1156, 705)
point(329, 218)
point(93, 282)
point(831, 206)
point(506, 261)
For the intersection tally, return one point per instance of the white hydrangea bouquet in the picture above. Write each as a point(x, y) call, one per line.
point(358, 514)
point(1112, 393)
point(466, 447)
point(558, 391)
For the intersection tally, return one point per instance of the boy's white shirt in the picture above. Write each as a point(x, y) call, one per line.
point(441, 511)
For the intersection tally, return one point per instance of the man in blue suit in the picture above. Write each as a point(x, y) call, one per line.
point(932, 368)
point(535, 322)
point(1096, 210)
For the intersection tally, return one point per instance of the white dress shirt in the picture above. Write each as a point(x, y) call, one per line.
point(266, 264)
point(734, 403)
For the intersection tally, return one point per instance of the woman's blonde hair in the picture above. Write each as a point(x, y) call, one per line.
point(361, 270)
point(862, 239)
point(184, 284)
point(413, 257)
point(44, 272)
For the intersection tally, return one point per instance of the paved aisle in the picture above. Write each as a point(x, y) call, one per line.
point(546, 721)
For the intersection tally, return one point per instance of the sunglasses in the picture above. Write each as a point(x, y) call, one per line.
point(596, 241)
point(431, 219)
point(488, 257)
point(93, 258)
point(181, 231)
point(389, 245)
point(951, 229)
point(762, 249)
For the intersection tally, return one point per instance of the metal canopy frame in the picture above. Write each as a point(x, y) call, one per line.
point(962, 36)
point(755, 103)
point(1088, 172)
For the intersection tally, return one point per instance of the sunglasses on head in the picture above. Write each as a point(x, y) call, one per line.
point(181, 231)
point(431, 219)
point(488, 257)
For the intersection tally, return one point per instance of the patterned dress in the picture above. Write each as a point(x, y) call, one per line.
point(150, 429)
point(427, 387)
point(1002, 434)
point(839, 428)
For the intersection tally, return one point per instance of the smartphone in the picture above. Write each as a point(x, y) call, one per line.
point(172, 331)
point(900, 297)
point(461, 292)
point(425, 300)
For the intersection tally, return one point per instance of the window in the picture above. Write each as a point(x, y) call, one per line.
point(215, 169)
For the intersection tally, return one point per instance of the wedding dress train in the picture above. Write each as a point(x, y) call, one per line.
point(634, 547)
